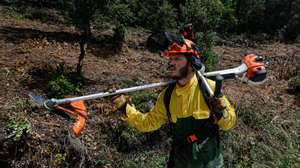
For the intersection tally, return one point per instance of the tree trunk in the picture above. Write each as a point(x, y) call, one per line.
point(82, 54)
point(83, 42)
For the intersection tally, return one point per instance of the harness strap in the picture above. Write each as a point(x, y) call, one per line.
point(167, 100)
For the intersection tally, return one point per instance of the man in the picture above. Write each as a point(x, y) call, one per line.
point(188, 33)
point(194, 126)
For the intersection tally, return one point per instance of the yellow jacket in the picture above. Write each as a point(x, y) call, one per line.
point(185, 101)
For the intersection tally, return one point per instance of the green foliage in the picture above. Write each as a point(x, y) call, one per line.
point(123, 11)
point(157, 15)
point(102, 162)
point(120, 34)
point(207, 40)
point(82, 13)
point(24, 12)
point(275, 17)
point(229, 20)
point(294, 84)
point(59, 159)
point(267, 139)
point(38, 3)
point(16, 130)
point(61, 86)
point(212, 60)
point(143, 158)
point(250, 15)
point(279, 18)
point(205, 15)
point(294, 80)
point(126, 138)
point(141, 99)
point(291, 30)
point(297, 40)
point(38, 10)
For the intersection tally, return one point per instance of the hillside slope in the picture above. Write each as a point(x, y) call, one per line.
point(266, 134)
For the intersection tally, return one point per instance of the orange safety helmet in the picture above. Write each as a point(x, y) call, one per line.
point(188, 47)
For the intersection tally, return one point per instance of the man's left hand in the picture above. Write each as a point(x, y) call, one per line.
point(218, 106)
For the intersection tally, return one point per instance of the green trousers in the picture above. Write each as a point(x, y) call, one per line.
point(196, 155)
point(201, 154)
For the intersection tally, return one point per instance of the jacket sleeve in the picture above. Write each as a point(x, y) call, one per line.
point(147, 122)
point(229, 118)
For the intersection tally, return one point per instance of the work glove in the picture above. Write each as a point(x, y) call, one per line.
point(218, 106)
point(120, 102)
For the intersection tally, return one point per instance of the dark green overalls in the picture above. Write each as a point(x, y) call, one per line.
point(195, 142)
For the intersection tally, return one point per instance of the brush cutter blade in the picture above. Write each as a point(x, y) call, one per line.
point(76, 110)
point(37, 99)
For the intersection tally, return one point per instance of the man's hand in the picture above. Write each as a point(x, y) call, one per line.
point(120, 102)
point(218, 106)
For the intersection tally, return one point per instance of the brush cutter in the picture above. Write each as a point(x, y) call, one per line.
point(252, 67)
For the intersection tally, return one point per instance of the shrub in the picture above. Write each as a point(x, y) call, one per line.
point(143, 158)
point(61, 86)
point(263, 138)
point(16, 130)
point(39, 3)
point(294, 78)
point(207, 41)
point(285, 20)
point(157, 15)
point(120, 35)
point(144, 100)
point(297, 40)
point(228, 21)
point(126, 138)
point(205, 15)
point(211, 60)
point(250, 15)
point(294, 84)
point(123, 12)
point(141, 99)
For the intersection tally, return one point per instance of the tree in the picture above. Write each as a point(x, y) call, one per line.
point(82, 14)
point(157, 15)
point(205, 15)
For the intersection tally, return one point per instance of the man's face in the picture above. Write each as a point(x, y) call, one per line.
point(178, 67)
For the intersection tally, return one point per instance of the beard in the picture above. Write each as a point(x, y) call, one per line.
point(182, 73)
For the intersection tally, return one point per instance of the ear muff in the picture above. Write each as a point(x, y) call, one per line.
point(196, 63)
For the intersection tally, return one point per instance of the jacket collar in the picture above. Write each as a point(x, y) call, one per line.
point(180, 90)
